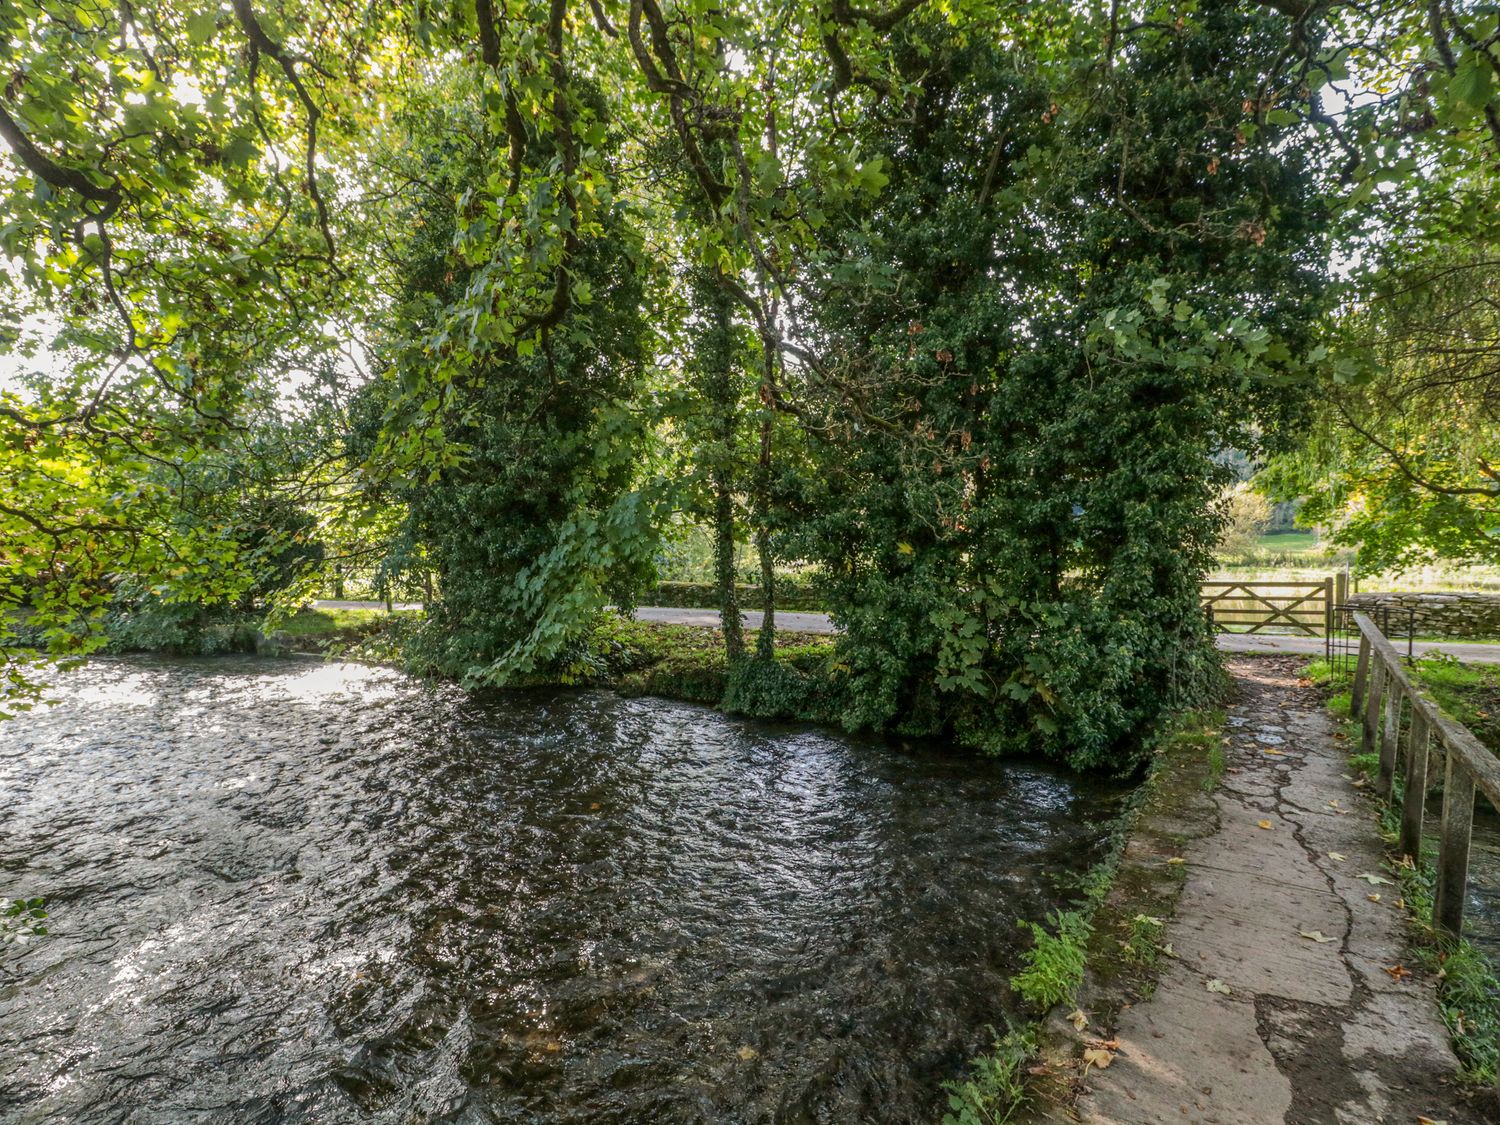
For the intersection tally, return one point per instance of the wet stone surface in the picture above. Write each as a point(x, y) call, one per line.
point(291, 891)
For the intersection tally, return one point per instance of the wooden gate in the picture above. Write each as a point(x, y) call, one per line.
point(1302, 608)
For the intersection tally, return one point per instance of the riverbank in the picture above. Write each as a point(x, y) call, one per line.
point(1280, 983)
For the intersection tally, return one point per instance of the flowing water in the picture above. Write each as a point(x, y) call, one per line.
point(288, 891)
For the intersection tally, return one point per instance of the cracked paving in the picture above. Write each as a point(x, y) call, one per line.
point(1310, 1032)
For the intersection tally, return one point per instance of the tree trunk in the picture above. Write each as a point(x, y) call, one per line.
point(765, 645)
point(718, 358)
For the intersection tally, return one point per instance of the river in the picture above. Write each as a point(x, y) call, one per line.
point(290, 891)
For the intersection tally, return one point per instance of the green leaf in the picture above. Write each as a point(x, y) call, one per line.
point(1474, 82)
point(240, 151)
point(201, 26)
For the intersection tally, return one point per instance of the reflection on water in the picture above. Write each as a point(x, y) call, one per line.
point(290, 891)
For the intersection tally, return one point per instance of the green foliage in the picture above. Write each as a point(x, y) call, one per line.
point(781, 688)
point(961, 308)
point(1143, 946)
point(1055, 962)
point(536, 525)
point(996, 1087)
point(792, 593)
point(22, 919)
point(1013, 530)
point(688, 662)
point(149, 623)
point(1400, 464)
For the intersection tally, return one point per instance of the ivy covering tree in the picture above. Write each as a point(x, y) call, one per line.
point(1075, 293)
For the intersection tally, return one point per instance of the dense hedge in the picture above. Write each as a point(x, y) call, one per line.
point(797, 596)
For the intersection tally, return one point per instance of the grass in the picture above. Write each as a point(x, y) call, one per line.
point(1468, 989)
point(1292, 543)
point(1054, 963)
point(1113, 931)
point(1144, 946)
point(1468, 985)
point(996, 1087)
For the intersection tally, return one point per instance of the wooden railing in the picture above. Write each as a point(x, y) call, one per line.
point(1302, 607)
point(1381, 690)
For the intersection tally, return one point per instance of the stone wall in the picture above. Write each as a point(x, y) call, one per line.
point(1459, 615)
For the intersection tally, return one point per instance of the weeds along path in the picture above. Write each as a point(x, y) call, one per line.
point(1290, 997)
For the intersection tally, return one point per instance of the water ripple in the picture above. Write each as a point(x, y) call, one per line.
point(295, 892)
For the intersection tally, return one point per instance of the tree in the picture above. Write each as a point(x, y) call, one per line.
point(1401, 462)
point(1081, 283)
point(531, 518)
point(957, 302)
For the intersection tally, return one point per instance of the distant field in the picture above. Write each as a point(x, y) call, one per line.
point(1290, 543)
point(1302, 556)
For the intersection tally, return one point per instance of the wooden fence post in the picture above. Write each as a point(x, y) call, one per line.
point(1361, 677)
point(1328, 607)
point(1372, 706)
point(1390, 734)
point(1341, 587)
point(1453, 851)
point(1415, 797)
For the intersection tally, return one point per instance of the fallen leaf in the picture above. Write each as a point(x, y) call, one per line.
point(1398, 972)
point(1175, 861)
point(1317, 936)
point(1273, 753)
point(1168, 950)
point(1375, 880)
point(1216, 985)
point(1429, 1121)
point(1333, 804)
point(1373, 898)
point(1337, 857)
point(747, 1053)
point(1078, 1019)
point(1267, 825)
point(1096, 1057)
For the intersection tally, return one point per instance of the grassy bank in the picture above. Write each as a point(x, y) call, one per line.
point(1087, 962)
point(1469, 984)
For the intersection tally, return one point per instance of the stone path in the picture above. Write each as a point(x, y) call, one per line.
point(819, 623)
point(1309, 1031)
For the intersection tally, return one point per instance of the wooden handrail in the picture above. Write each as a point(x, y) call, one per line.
point(1381, 689)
